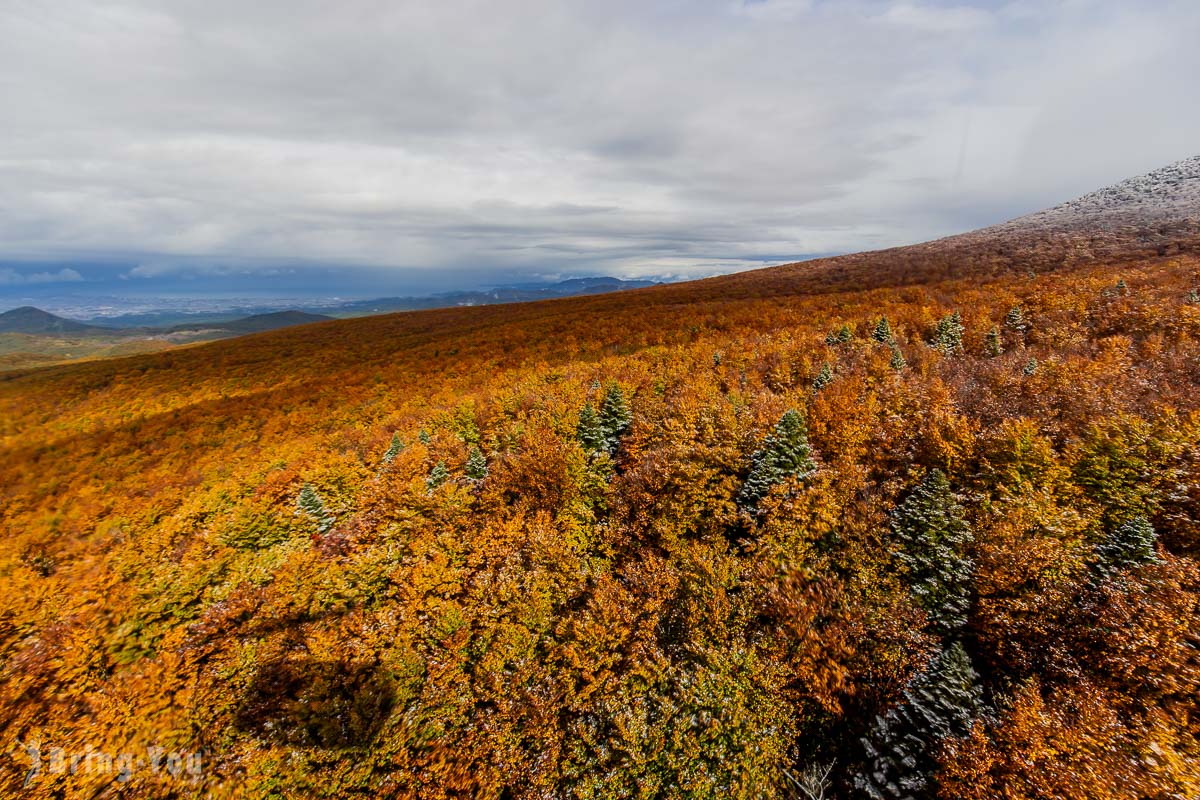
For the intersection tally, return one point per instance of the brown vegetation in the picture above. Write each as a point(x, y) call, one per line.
point(581, 623)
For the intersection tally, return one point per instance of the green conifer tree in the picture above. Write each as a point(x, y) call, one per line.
point(947, 336)
point(897, 361)
point(311, 505)
point(839, 335)
point(424, 437)
point(1193, 297)
point(1015, 320)
point(1130, 544)
point(477, 466)
point(1122, 288)
point(1030, 366)
point(883, 332)
point(824, 377)
point(995, 342)
point(394, 449)
point(940, 703)
point(933, 537)
point(589, 432)
point(615, 417)
point(785, 453)
point(437, 476)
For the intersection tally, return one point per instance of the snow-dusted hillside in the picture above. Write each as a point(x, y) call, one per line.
point(1168, 193)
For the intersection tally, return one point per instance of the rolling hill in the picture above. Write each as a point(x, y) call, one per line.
point(915, 522)
point(30, 320)
point(256, 323)
point(30, 337)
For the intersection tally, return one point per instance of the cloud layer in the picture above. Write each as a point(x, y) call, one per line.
point(556, 137)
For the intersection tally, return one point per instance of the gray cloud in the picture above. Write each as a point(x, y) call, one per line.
point(623, 137)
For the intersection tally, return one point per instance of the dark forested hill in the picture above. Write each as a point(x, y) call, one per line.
point(919, 522)
point(28, 319)
point(255, 323)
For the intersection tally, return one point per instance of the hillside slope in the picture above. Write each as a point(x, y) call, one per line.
point(255, 323)
point(30, 320)
point(581, 548)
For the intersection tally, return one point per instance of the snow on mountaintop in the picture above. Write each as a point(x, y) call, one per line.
point(1171, 192)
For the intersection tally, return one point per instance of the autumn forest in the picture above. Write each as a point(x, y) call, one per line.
point(921, 523)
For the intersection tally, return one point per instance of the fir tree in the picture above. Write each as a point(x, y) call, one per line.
point(437, 476)
point(477, 466)
point(897, 361)
point(1193, 297)
point(947, 336)
point(1122, 288)
point(311, 505)
point(883, 332)
point(615, 417)
point(424, 437)
point(839, 335)
point(995, 342)
point(785, 453)
point(1030, 366)
point(824, 377)
point(716, 358)
point(588, 431)
point(933, 538)
point(1130, 544)
point(1015, 320)
point(394, 449)
point(940, 703)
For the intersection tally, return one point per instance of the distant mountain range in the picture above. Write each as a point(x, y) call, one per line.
point(519, 293)
point(34, 321)
point(516, 293)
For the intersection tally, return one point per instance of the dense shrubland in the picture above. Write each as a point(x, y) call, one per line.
point(771, 536)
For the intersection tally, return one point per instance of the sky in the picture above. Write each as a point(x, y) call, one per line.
point(371, 147)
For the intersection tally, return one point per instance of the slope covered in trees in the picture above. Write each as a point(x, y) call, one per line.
point(626, 546)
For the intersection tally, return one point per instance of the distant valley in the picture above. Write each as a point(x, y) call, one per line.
point(31, 337)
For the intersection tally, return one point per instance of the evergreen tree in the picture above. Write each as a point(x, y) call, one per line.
point(1030, 366)
point(615, 417)
point(1193, 297)
point(995, 342)
point(785, 453)
point(1122, 288)
point(839, 336)
point(394, 449)
point(1130, 544)
point(897, 361)
point(477, 466)
point(437, 476)
point(589, 432)
point(717, 358)
point(947, 336)
point(940, 703)
point(311, 505)
point(1015, 320)
point(424, 437)
point(933, 538)
point(883, 332)
point(824, 377)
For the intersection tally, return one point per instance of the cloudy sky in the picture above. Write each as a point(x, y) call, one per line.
point(372, 146)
